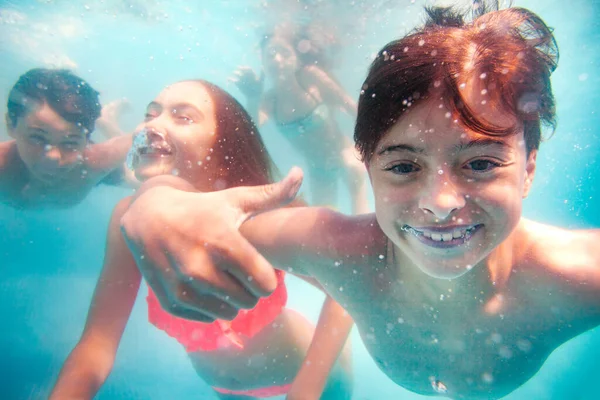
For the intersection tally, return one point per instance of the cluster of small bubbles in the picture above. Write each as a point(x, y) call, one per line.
point(440, 171)
point(421, 42)
point(386, 56)
point(381, 256)
point(442, 297)
point(337, 263)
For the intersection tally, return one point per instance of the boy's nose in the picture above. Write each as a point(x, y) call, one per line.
point(442, 199)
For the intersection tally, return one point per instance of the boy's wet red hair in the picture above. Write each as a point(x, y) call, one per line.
point(513, 50)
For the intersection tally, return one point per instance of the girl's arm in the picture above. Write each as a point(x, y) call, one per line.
point(333, 93)
point(330, 336)
point(90, 362)
point(252, 86)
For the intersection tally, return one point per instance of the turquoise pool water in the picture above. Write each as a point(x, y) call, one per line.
point(49, 261)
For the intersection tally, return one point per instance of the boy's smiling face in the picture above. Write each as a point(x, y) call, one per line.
point(447, 196)
point(49, 145)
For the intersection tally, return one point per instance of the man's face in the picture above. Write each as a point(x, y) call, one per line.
point(447, 196)
point(49, 145)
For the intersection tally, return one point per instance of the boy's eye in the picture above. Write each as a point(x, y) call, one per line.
point(403, 168)
point(37, 139)
point(149, 116)
point(482, 165)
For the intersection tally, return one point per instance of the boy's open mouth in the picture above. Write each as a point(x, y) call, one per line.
point(443, 237)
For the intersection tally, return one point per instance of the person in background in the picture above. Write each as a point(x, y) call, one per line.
point(51, 161)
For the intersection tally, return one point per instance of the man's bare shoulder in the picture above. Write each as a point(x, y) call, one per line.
point(572, 256)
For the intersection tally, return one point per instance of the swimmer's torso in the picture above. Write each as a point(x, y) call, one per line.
point(449, 345)
point(318, 142)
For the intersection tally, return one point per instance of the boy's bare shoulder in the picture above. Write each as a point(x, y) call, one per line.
point(571, 256)
point(8, 151)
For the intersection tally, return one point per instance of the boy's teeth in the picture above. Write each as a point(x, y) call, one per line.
point(436, 237)
point(446, 237)
point(456, 234)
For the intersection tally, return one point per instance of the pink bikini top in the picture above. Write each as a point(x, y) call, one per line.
point(198, 336)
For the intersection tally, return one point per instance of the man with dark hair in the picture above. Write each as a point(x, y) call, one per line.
point(51, 161)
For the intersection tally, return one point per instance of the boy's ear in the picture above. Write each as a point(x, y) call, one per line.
point(9, 128)
point(529, 172)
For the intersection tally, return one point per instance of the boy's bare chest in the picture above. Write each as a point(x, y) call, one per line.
point(72, 190)
point(432, 348)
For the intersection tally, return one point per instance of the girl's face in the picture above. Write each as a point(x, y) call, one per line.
point(447, 196)
point(177, 134)
point(279, 58)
